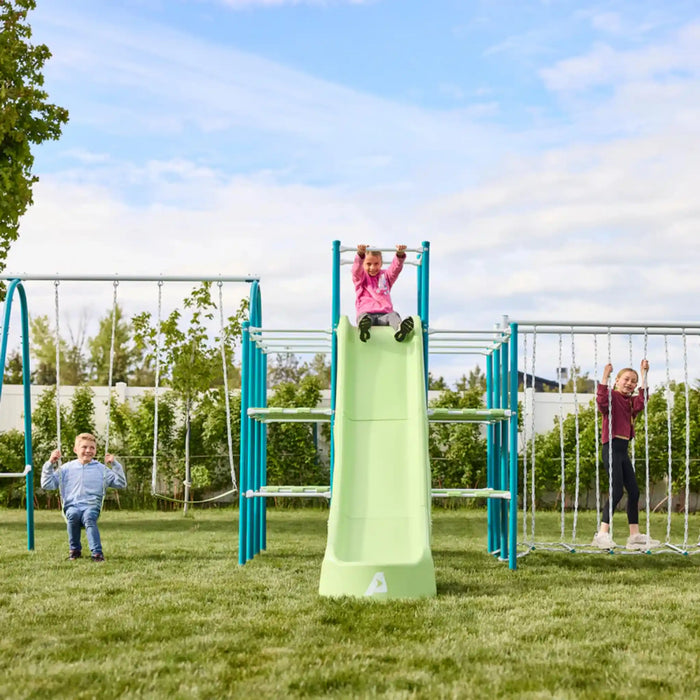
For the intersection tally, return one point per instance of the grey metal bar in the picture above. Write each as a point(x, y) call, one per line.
point(490, 332)
point(268, 331)
point(130, 278)
point(350, 249)
point(607, 324)
point(475, 351)
point(406, 262)
point(632, 330)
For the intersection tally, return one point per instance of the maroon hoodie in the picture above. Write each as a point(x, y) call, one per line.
point(624, 410)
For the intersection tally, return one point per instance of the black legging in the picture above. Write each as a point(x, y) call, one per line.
point(622, 475)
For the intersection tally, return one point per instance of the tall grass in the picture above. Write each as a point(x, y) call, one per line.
point(171, 614)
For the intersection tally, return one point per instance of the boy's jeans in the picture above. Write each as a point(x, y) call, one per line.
point(83, 517)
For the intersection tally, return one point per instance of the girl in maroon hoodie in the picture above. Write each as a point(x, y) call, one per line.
point(626, 405)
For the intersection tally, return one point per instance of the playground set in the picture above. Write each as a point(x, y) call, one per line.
point(380, 491)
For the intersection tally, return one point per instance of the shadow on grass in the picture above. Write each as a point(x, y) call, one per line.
point(475, 574)
point(604, 561)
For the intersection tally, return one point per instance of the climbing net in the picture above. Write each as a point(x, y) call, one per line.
point(577, 353)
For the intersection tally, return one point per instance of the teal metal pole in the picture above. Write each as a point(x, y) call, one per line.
point(496, 374)
point(490, 479)
point(513, 426)
point(503, 428)
point(425, 305)
point(27, 389)
point(244, 483)
point(263, 452)
point(256, 397)
point(335, 318)
point(16, 284)
point(250, 466)
point(255, 448)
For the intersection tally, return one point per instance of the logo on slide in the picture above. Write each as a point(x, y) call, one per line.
point(377, 584)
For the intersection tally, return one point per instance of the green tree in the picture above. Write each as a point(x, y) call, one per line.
point(436, 383)
point(475, 381)
point(81, 417)
point(209, 439)
point(549, 456)
point(320, 368)
point(131, 434)
point(292, 457)
point(77, 418)
point(43, 349)
point(285, 368)
point(458, 450)
point(190, 361)
point(12, 460)
point(74, 365)
point(26, 118)
point(44, 427)
point(13, 369)
point(100, 346)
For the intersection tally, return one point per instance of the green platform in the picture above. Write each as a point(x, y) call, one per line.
point(379, 524)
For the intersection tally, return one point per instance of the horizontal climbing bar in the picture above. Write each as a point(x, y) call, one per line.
point(468, 415)
point(603, 327)
point(350, 249)
point(296, 349)
point(461, 351)
point(406, 262)
point(274, 331)
point(16, 475)
point(489, 334)
point(471, 493)
point(130, 278)
point(290, 492)
point(274, 414)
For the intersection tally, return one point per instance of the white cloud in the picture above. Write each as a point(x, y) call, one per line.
point(158, 83)
point(593, 215)
point(606, 66)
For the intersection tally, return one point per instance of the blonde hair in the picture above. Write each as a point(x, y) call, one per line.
point(376, 253)
point(627, 369)
point(85, 436)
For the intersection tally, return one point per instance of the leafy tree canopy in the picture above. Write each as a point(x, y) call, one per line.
point(26, 117)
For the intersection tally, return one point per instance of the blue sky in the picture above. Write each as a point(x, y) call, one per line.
point(548, 150)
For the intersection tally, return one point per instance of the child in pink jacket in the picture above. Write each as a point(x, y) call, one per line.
point(372, 288)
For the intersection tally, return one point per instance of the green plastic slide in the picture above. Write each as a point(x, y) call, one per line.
point(379, 524)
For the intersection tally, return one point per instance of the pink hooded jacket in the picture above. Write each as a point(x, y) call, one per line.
point(373, 293)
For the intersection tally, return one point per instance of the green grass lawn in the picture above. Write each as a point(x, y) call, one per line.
point(171, 614)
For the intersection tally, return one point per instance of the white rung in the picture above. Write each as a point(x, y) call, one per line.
point(16, 475)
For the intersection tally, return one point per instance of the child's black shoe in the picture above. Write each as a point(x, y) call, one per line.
point(364, 325)
point(74, 554)
point(98, 557)
point(404, 329)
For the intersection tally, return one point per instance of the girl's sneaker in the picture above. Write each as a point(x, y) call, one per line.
point(641, 542)
point(602, 540)
point(404, 329)
point(364, 325)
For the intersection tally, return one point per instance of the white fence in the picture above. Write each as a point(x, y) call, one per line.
point(547, 406)
point(12, 403)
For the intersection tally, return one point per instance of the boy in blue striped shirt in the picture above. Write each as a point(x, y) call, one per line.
point(82, 484)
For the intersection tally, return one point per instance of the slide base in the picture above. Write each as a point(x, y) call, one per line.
point(382, 581)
